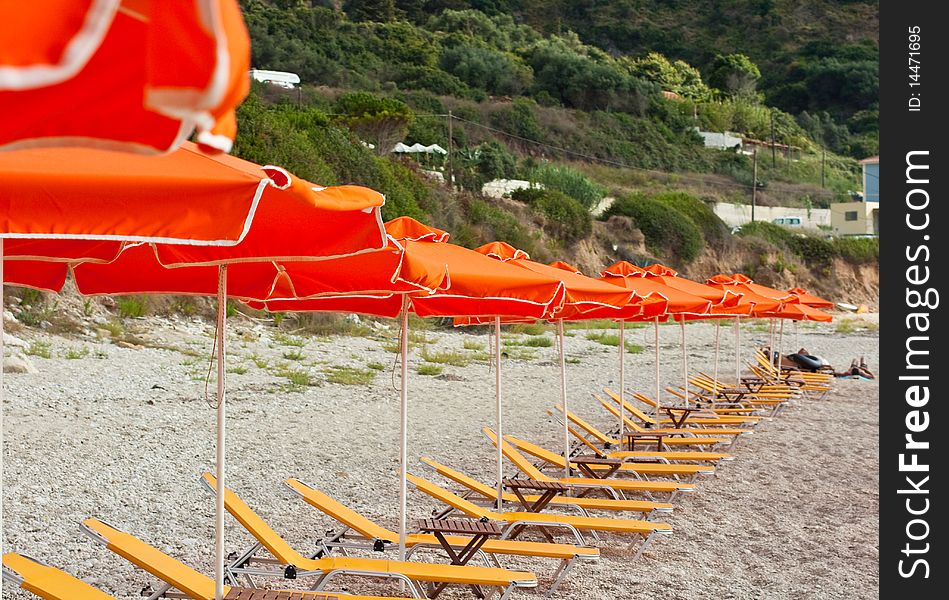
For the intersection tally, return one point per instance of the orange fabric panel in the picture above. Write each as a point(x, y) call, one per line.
point(631, 277)
point(186, 195)
point(810, 299)
point(39, 275)
point(764, 298)
point(148, 73)
point(476, 285)
point(30, 41)
point(582, 294)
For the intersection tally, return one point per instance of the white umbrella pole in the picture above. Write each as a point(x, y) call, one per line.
point(658, 385)
point(780, 344)
point(685, 362)
point(622, 379)
point(403, 425)
point(221, 483)
point(563, 397)
point(797, 335)
point(497, 408)
point(718, 335)
point(771, 340)
point(737, 350)
point(2, 324)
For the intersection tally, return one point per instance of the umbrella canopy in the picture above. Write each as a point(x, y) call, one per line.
point(293, 219)
point(137, 270)
point(809, 299)
point(75, 204)
point(582, 294)
point(134, 76)
point(764, 298)
point(721, 299)
point(631, 278)
point(477, 286)
point(799, 311)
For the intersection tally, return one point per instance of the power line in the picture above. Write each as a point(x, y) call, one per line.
point(592, 158)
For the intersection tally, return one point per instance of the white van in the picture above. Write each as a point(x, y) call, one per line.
point(789, 221)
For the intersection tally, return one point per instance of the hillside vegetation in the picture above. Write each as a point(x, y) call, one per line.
point(564, 99)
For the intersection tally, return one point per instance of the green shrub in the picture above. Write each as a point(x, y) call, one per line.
point(667, 230)
point(502, 225)
point(777, 235)
point(571, 182)
point(814, 251)
point(857, 250)
point(713, 229)
point(348, 375)
point(565, 218)
point(430, 370)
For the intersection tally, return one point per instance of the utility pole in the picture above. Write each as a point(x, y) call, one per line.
point(774, 158)
point(451, 164)
point(823, 155)
point(754, 186)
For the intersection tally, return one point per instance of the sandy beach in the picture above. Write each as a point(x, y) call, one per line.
point(123, 434)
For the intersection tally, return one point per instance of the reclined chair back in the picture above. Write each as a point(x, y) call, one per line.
point(256, 526)
point(47, 582)
point(453, 500)
point(345, 515)
point(520, 461)
point(152, 560)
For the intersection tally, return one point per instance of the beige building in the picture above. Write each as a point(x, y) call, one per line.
point(855, 218)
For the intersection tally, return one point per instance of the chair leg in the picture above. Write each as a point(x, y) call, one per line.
point(560, 574)
point(642, 547)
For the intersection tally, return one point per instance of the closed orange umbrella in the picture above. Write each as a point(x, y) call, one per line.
point(137, 75)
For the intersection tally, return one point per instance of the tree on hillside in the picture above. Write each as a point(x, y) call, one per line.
point(734, 74)
point(679, 76)
point(380, 121)
point(370, 10)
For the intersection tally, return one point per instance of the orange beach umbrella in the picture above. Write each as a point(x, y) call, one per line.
point(479, 287)
point(285, 218)
point(130, 75)
point(584, 298)
point(810, 299)
point(765, 300)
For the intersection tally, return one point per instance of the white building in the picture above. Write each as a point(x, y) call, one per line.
point(279, 78)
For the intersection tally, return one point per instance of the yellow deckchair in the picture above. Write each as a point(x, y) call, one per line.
point(724, 398)
point(326, 568)
point(637, 469)
point(594, 435)
point(612, 487)
point(175, 574)
point(671, 437)
point(45, 581)
point(708, 414)
point(699, 434)
point(662, 424)
point(518, 520)
point(381, 538)
point(582, 505)
point(785, 374)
